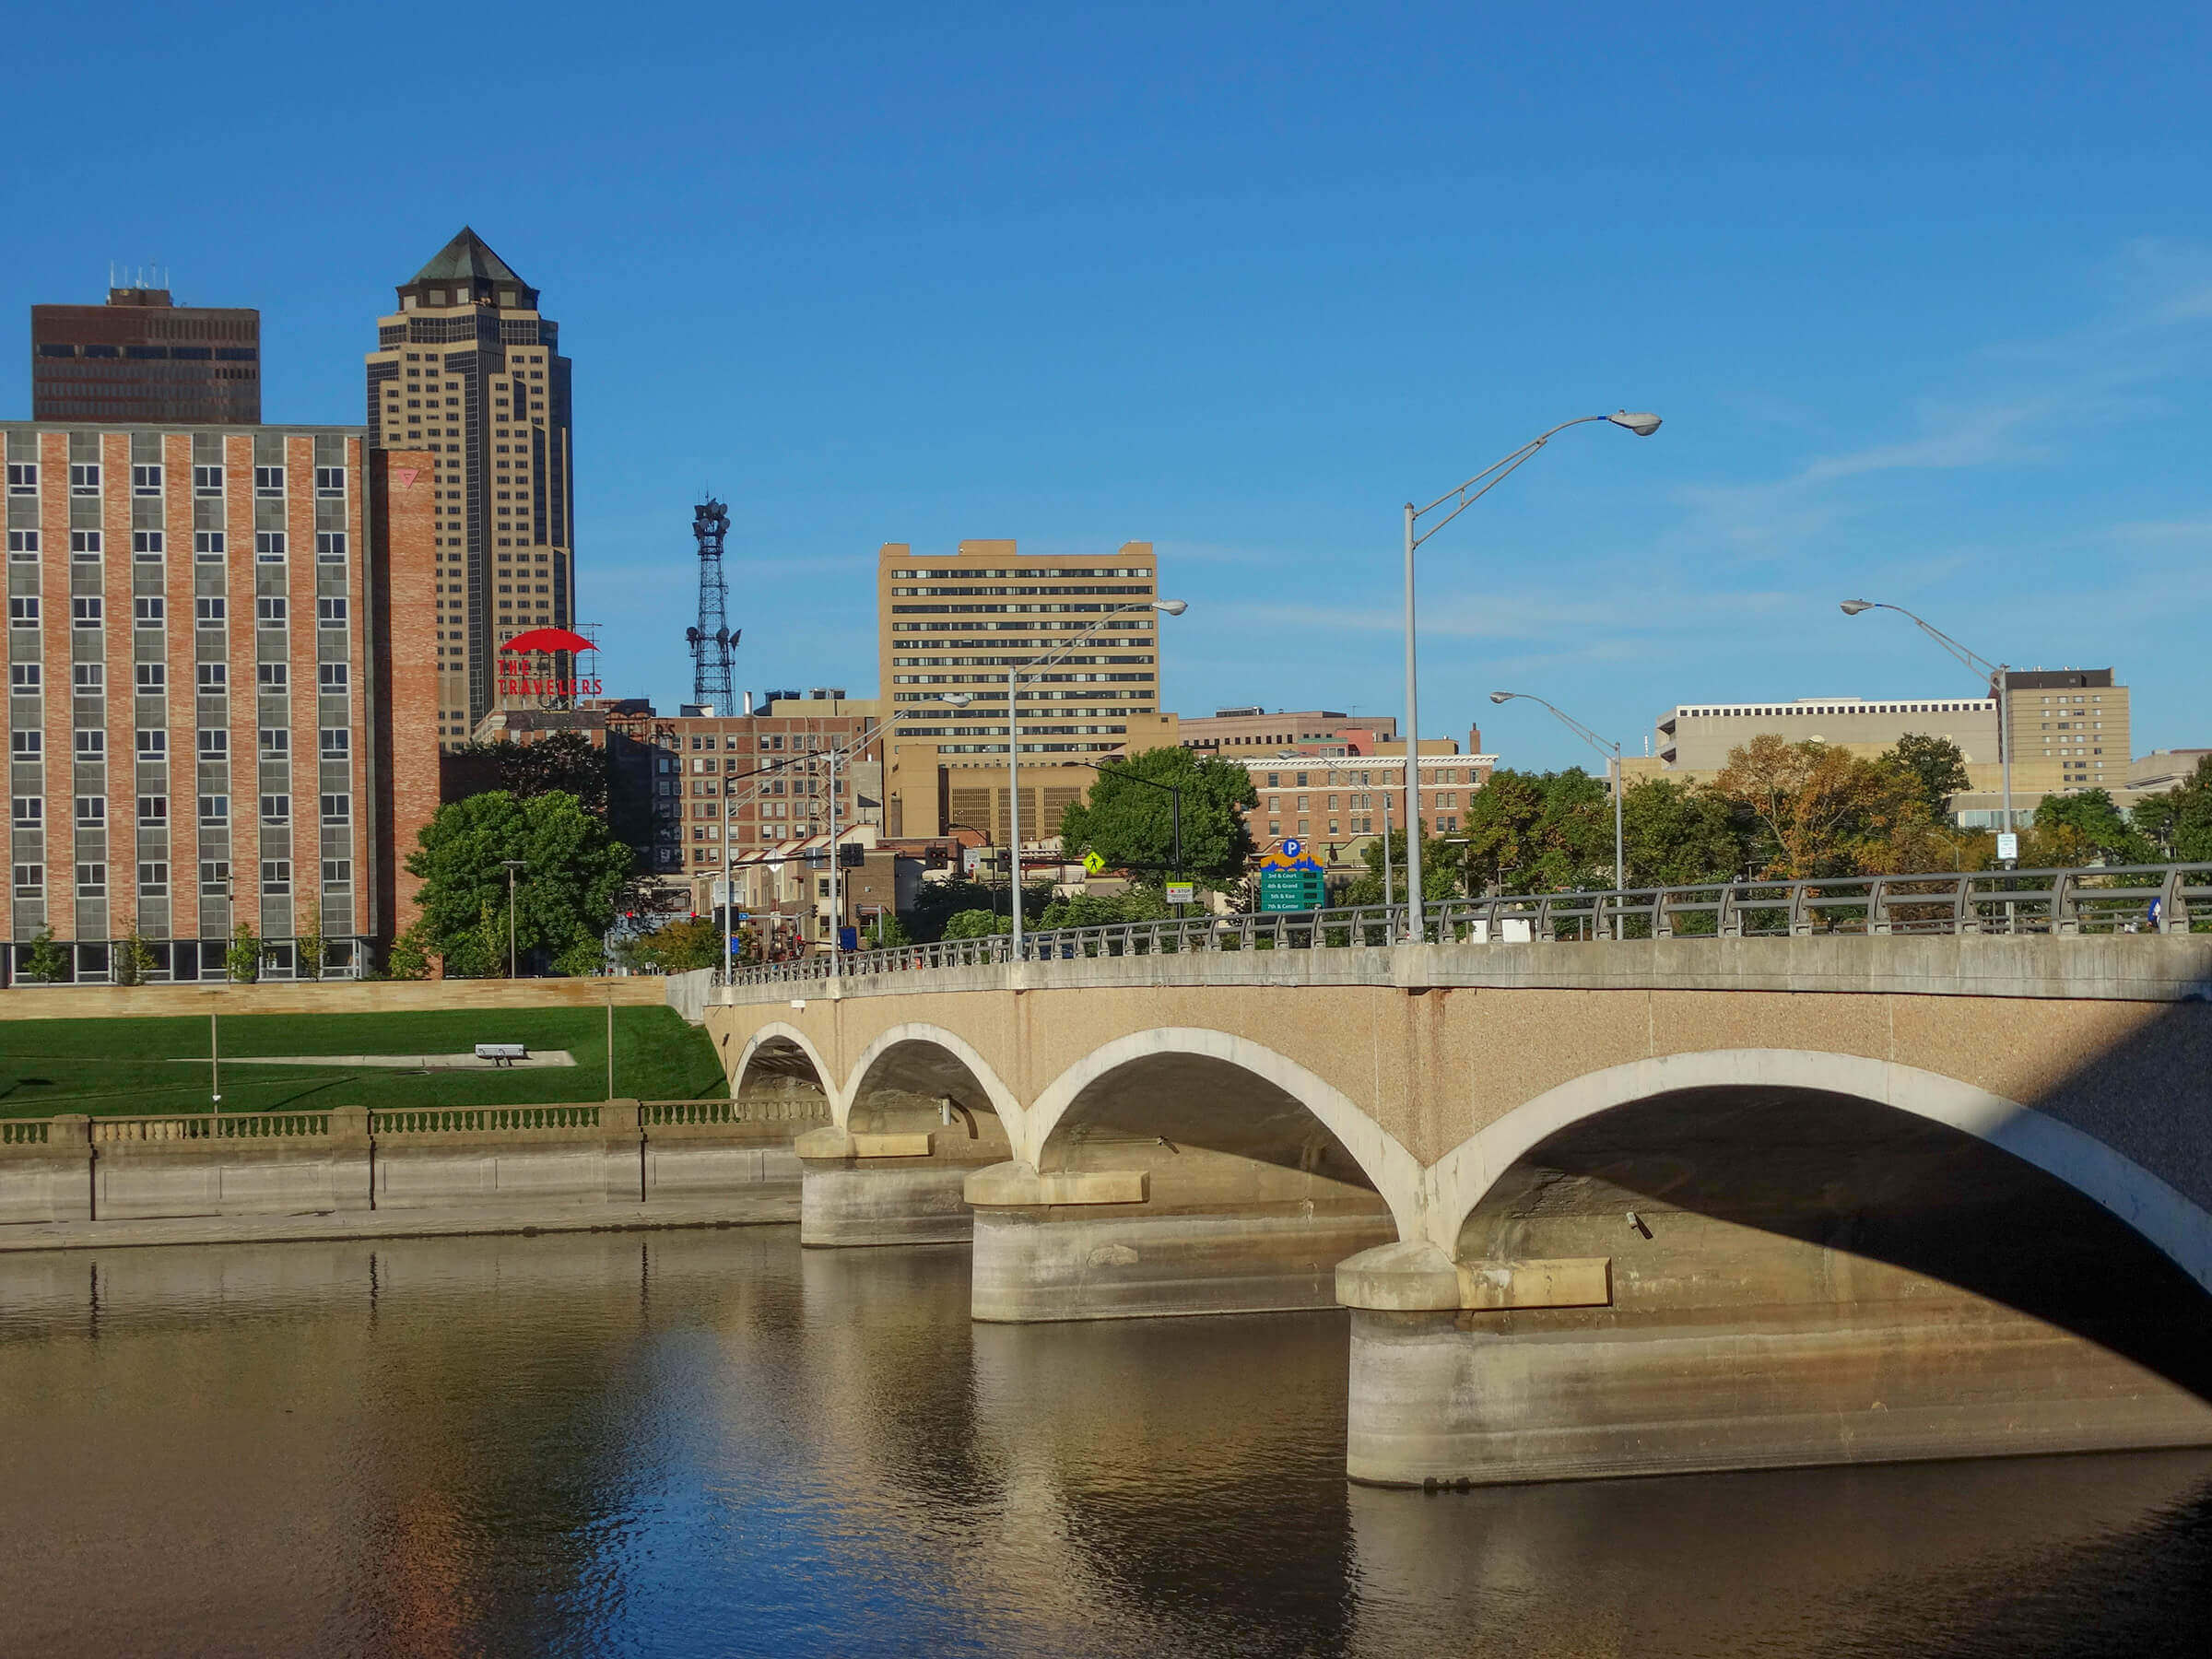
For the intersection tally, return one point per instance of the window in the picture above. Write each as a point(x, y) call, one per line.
point(207, 544)
point(31, 878)
point(84, 477)
point(84, 610)
point(153, 811)
point(22, 478)
point(153, 880)
point(85, 544)
point(23, 679)
point(91, 881)
point(23, 545)
point(26, 744)
point(23, 610)
point(214, 809)
point(337, 808)
point(145, 480)
point(337, 743)
point(272, 677)
point(330, 545)
point(149, 610)
point(334, 679)
point(215, 877)
point(270, 611)
point(268, 480)
point(215, 743)
point(330, 480)
point(153, 679)
point(30, 812)
point(148, 544)
point(207, 480)
point(215, 679)
point(275, 874)
point(337, 872)
point(91, 743)
point(276, 809)
point(153, 745)
point(211, 610)
point(275, 740)
point(268, 547)
point(331, 613)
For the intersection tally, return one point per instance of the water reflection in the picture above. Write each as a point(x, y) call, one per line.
point(714, 1443)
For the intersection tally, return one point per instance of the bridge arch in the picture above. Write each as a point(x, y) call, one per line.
point(2177, 1227)
point(923, 1060)
point(1388, 1167)
point(780, 1049)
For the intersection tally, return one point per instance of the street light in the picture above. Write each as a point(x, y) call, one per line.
point(1996, 674)
point(1644, 424)
point(510, 865)
point(959, 699)
point(1605, 747)
point(1173, 607)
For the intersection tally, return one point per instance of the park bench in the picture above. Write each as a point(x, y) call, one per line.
point(502, 1053)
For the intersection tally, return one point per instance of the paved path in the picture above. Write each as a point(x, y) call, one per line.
point(777, 1202)
point(397, 1062)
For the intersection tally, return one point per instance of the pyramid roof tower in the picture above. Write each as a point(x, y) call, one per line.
point(466, 271)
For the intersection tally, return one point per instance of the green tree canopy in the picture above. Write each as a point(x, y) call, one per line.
point(977, 924)
point(1928, 770)
point(564, 763)
point(1440, 871)
point(1139, 902)
point(675, 947)
point(2178, 824)
point(937, 902)
point(1130, 825)
point(1537, 832)
point(1679, 835)
point(2098, 826)
point(564, 895)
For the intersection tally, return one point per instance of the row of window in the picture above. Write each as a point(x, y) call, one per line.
point(153, 877)
point(270, 547)
point(29, 743)
point(153, 810)
point(90, 679)
point(147, 479)
point(151, 610)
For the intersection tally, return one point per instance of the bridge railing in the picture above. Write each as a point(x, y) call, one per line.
point(2124, 899)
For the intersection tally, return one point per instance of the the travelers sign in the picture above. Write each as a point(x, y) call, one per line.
point(526, 669)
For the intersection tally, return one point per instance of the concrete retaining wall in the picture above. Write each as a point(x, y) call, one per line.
point(71, 1169)
point(329, 996)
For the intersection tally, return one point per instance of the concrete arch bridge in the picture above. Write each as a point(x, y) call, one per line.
point(1599, 1209)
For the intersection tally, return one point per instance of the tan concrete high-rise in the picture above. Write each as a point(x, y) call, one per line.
point(955, 623)
point(470, 370)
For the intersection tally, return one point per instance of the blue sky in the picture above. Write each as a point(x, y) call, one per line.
point(1925, 294)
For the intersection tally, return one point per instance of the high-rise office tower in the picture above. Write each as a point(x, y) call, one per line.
point(140, 359)
point(468, 369)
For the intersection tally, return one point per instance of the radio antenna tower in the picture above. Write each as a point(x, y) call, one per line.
point(711, 640)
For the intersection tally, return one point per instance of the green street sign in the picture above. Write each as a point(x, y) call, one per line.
point(1292, 889)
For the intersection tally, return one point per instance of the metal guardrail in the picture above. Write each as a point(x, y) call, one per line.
point(2126, 898)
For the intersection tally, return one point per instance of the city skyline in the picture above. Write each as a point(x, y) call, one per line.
point(1251, 354)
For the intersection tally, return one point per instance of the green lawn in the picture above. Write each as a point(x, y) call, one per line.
point(128, 1065)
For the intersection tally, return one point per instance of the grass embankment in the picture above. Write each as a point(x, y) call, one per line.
point(130, 1065)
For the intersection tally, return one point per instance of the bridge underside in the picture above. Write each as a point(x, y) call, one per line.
point(1737, 1278)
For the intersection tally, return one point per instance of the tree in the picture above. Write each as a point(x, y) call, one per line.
point(1813, 804)
point(564, 895)
point(2097, 830)
point(133, 959)
point(1679, 835)
point(1139, 902)
point(410, 957)
point(885, 931)
point(308, 951)
point(242, 961)
point(675, 947)
point(1132, 825)
point(2178, 824)
point(1930, 770)
point(1538, 833)
point(976, 925)
point(565, 763)
point(47, 960)
point(937, 902)
point(1440, 871)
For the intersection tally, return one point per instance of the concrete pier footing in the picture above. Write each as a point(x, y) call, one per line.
point(886, 1188)
point(1125, 1244)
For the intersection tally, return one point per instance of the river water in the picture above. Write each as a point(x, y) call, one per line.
point(716, 1444)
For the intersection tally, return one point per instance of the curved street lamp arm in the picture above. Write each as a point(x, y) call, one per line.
point(1972, 659)
point(1604, 745)
point(1489, 478)
point(1081, 640)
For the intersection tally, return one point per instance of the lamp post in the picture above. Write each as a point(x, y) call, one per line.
point(1997, 675)
point(959, 699)
point(1173, 607)
point(1643, 425)
point(1605, 747)
point(512, 866)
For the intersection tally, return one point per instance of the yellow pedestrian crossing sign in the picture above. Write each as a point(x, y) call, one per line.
point(1092, 863)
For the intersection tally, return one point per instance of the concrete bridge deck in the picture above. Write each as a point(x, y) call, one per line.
point(1770, 1200)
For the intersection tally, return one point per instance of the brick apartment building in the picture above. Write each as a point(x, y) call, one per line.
point(222, 700)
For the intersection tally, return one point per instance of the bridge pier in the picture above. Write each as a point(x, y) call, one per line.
point(897, 1183)
point(1191, 1233)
